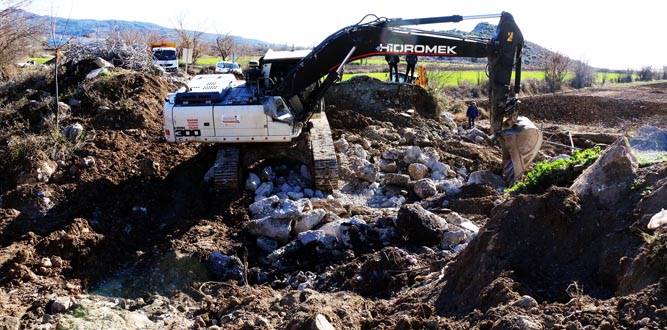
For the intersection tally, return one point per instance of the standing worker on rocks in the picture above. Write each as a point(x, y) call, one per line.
point(472, 114)
point(412, 62)
point(392, 61)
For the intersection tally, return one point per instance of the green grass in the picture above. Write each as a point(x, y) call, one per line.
point(213, 60)
point(40, 60)
point(561, 171)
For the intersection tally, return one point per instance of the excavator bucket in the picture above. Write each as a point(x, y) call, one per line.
point(521, 142)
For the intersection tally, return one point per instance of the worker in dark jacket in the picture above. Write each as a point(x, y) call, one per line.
point(472, 114)
point(410, 72)
point(392, 61)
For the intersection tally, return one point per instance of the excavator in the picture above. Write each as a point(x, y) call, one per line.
point(277, 111)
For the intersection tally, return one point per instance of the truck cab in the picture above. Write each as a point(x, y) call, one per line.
point(165, 57)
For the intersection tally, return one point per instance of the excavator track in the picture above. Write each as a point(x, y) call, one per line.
point(226, 168)
point(325, 164)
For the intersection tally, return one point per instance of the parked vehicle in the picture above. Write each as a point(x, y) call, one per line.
point(228, 67)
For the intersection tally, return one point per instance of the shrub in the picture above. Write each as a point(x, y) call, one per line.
point(555, 70)
point(555, 172)
point(584, 76)
point(646, 74)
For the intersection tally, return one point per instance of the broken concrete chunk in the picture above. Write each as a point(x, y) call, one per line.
point(264, 189)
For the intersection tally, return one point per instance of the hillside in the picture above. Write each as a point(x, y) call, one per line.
point(534, 55)
point(91, 28)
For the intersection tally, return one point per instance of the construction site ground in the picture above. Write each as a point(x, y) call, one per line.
point(123, 232)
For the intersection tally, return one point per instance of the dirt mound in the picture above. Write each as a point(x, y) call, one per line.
point(126, 100)
point(592, 110)
point(373, 97)
point(541, 245)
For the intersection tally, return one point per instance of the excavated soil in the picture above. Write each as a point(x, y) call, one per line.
point(138, 225)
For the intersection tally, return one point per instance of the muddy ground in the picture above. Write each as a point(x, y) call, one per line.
point(116, 228)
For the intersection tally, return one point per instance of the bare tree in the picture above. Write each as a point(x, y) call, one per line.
point(117, 34)
point(584, 76)
point(224, 45)
point(16, 32)
point(664, 72)
point(555, 70)
point(189, 38)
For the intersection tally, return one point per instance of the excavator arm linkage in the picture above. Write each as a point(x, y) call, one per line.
point(518, 137)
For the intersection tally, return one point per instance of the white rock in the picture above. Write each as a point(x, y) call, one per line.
point(102, 63)
point(658, 220)
point(309, 220)
point(414, 154)
point(278, 229)
point(321, 323)
point(438, 166)
point(437, 176)
point(45, 170)
point(264, 207)
point(72, 132)
point(453, 237)
point(341, 145)
point(96, 73)
point(450, 186)
point(358, 150)
point(253, 182)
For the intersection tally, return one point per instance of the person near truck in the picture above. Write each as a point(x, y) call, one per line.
point(410, 72)
point(472, 114)
point(392, 61)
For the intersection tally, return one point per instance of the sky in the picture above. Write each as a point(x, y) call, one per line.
point(611, 34)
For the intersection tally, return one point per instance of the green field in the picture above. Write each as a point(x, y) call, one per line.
point(475, 77)
point(40, 60)
point(212, 60)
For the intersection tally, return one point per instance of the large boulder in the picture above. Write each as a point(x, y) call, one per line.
point(400, 180)
point(419, 225)
point(610, 177)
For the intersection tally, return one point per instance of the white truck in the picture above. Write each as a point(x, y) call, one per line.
point(165, 55)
